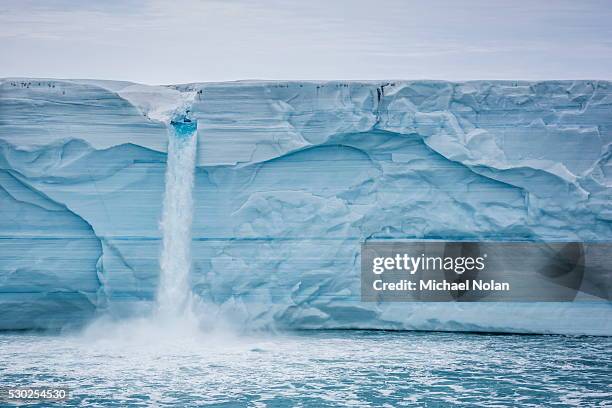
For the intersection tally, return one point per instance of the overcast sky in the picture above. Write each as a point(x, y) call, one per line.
point(161, 42)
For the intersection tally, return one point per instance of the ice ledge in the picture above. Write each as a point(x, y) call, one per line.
point(247, 122)
point(157, 103)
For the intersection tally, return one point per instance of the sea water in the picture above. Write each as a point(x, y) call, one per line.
point(319, 368)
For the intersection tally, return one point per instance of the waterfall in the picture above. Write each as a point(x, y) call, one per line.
point(174, 294)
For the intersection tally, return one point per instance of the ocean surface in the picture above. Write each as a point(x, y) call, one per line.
point(134, 365)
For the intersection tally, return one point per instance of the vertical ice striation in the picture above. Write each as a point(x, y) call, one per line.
point(174, 295)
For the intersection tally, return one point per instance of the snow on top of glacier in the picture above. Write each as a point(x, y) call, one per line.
point(156, 102)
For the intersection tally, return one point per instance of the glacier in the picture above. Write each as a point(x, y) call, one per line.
point(291, 177)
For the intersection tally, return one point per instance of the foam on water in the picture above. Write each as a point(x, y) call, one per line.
point(316, 368)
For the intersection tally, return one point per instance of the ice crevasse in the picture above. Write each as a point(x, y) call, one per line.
point(291, 177)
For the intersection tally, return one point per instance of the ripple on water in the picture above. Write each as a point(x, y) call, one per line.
point(314, 368)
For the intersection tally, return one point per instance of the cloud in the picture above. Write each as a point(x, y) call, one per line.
point(187, 40)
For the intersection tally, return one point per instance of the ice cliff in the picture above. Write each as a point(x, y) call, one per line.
point(291, 177)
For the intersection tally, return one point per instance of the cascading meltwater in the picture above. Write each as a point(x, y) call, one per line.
point(174, 299)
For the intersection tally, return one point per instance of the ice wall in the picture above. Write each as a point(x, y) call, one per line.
point(291, 177)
